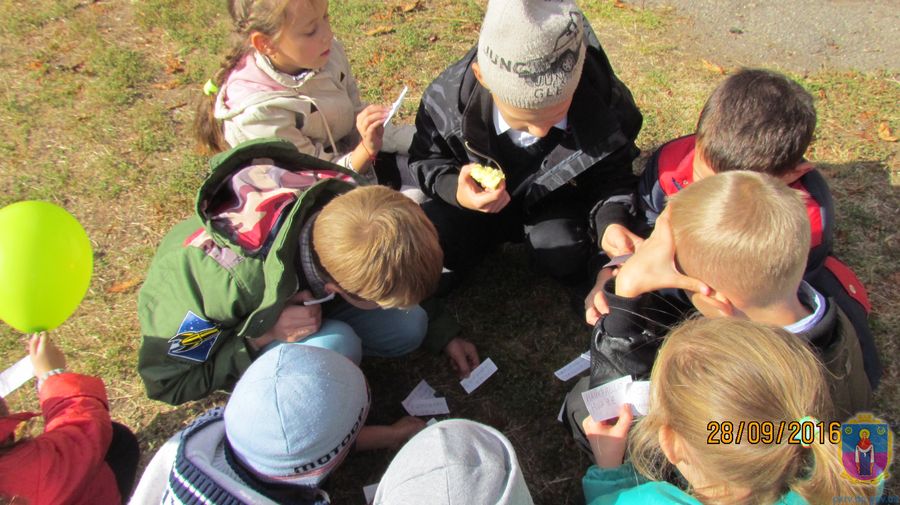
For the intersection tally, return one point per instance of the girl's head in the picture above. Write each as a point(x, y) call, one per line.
point(294, 35)
point(731, 371)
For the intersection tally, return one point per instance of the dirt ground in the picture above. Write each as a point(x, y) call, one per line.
point(799, 35)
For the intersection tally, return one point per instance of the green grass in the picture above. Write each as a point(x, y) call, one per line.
point(91, 122)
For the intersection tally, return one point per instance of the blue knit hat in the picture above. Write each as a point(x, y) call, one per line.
point(295, 413)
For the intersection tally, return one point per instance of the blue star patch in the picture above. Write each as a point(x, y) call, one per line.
point(195, 338)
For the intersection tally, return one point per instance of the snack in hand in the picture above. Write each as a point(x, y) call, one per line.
point(488, 177)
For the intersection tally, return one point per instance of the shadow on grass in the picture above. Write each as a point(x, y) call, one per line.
point(523, 322)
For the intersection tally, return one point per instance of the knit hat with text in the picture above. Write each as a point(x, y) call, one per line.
point(295, 414)
point(531, 52)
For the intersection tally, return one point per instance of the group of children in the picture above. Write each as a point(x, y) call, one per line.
point(295, 266)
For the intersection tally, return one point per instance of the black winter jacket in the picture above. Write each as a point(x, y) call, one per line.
point(454, 127)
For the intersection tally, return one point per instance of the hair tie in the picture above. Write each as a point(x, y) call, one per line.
point(798, 437)
point(210, 88)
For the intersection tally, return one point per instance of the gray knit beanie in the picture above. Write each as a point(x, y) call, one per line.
point(531, 52)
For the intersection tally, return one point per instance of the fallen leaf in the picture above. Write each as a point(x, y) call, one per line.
point(433, 39)
point(885, 134)
point(380, 30)
point(619, 4)
point(823, 95)
point(36, 65)
point(123, 286)
point(174, 65)
point(165, 85)
point(411, 6)
point(712, 67)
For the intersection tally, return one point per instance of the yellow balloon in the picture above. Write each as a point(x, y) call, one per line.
point(45, 265)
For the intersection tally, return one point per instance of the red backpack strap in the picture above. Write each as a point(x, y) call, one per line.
point(848, 279)
point(814, 211)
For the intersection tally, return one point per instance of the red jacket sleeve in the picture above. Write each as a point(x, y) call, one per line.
point(66, 462)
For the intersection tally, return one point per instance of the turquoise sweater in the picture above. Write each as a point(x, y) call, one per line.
point(622, 485)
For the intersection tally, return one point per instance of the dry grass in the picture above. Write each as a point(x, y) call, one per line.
point(96, 100)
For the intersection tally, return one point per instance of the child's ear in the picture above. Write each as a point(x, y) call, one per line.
point(719, 302)
point(262, 43)
point(669, 447)
point(476, 69)
point(797, 172)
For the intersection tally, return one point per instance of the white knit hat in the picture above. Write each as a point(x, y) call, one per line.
point(455, 462)
point(531, 52)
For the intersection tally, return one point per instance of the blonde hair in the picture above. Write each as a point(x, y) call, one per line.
point(744, 233)
point(716, 370)
point(268, 17)
point(378, 245)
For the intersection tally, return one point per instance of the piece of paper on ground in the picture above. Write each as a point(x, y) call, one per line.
point(479, 375)
point(574, 367)
point(13, 377)
point(421, 401)
point(603, 402)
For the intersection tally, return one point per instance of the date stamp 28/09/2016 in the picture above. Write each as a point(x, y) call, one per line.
point(773, 432)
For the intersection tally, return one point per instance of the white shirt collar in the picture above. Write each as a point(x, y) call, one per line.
point(815, 301)
point(518, 137)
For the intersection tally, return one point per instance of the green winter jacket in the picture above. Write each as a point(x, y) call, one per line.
point(222, 277)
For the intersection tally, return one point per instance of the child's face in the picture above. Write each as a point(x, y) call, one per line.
point(537, 122)
point(305, 40)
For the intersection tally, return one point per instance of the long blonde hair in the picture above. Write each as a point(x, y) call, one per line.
point(726, 370)
point(268, 17)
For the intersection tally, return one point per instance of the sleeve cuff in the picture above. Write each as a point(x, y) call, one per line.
point(445, 187)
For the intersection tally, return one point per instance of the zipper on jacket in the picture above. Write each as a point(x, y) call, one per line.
point(475, 152)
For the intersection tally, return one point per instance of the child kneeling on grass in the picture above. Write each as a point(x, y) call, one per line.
point(82, 456)
point(292, 419)
point(723, 371)
point(277, 235)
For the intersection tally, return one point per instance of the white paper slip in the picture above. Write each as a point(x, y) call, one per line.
point(422, 390)
point(396, 105)
point(13, 377)
point(574, 367)
point(369, 491)
point(603, 402)
point(479, 375)
point(639, 397)
point(562, 410)
point(618, 260)
point(431, 421)
point(427, 407)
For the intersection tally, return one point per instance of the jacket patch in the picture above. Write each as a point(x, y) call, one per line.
point(195, 338)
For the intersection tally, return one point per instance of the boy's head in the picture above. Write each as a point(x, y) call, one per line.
point(744, 234)
point(472, 462)
point(295, 413)
point(378, 248)
point(756, 120)
point(530, 57)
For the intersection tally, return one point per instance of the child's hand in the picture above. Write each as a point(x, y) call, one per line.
point(45, 356)
point(404, 429)
point(371, 130)
point(595, 303)
point(296, 321)
point(463, 356)
point(653, 266)
point(617, 240)
point(608, 440)
point(472, 196)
